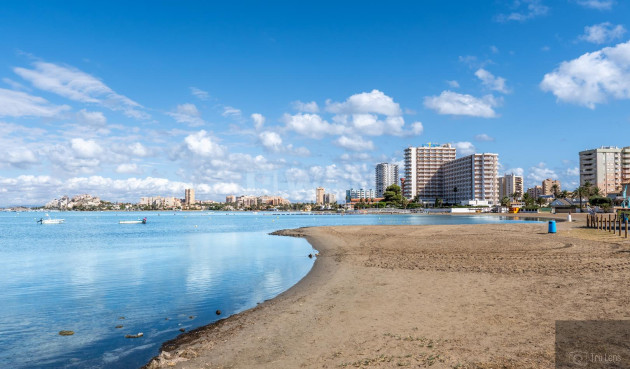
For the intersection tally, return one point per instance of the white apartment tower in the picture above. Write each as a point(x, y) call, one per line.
point(473, 177)
point(386, 175)
point(424, 171)
point(607, 168)
point(510, 184)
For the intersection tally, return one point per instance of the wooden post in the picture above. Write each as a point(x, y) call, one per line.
point(619, 226)
point(626, 227)
point(608, 222)
point(587, 221)
point(599, 222)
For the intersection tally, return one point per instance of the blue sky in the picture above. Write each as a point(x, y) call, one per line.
point(130, 99)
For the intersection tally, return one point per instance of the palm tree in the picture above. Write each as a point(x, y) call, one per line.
point(541, 201)
point(555, 189)
point(564, 194)
point(581, 191)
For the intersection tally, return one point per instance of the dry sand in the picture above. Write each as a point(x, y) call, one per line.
point(474, 296)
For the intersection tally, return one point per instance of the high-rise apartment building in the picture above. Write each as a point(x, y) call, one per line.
point(473, 177)
point(386, 175)
point(510, 184)
point(230, 199)
point(548, 186)
point(330, 198)
point(607, 168)
point(424, 174)
point(535, 192)
point(189, 197)
point(319, 196)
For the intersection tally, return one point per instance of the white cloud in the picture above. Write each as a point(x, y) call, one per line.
point(484, 137)
point(535, 8)
point(231, 112)
point(202, 144)
point(417, 128)
point(271, 140)
point(91, 118)
point(464, 148)
point(302, 107)
point(138, 150)
point(450, 102)
point(85, 149)
point(79, 86)
point(259, 120)
point(453, 84)
point(19, 157)
point(200, 94)
point(515, 171)
point(592, 78)
point(354, 143)
point(494, 49)
point(597, 4)
point(602, 33)
point(128, 168)
point(187, 114)
point(310, 125)
point(20, 104)
point(365, 103)
point(575, 171)
point(540, 173)
point(492, 82)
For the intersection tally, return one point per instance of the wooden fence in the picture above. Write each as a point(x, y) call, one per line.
point(612, 223)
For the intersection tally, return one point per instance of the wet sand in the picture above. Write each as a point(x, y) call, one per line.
point(473, 296)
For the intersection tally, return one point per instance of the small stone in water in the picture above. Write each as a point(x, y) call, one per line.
point(119, 326)
point(134, 335)
point(182, 329)
point(218, 312)
point(66, 333)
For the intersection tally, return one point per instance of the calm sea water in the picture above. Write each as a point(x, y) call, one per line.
point(174, 272)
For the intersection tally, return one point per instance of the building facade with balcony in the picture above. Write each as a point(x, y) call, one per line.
point(424, 176)
point(386, 175)
point(607, 167)
point(472, 178)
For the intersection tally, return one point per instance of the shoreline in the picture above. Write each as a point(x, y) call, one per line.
point(228, 342)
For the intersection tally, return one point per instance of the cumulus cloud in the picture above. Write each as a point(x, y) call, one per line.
point(271, 140)
point(21, 158)
point(592, 78)
point(128, 168)
point(603, 33)
point(365, 103)
point(79, 86)
point(203, 144)
point(449, 102)
point(417, 128)
point(200, 94)
point(310, 125)
point(492, 82)
point(187, 114)
point(309, 107)
point(597, 4)
point(533, 9)
point(484, 138)
point(259, 120)
point(516, 171)
point(464, 148)
point(354, 143)
point(85, 149)
point(540, 173)
point(20, 104)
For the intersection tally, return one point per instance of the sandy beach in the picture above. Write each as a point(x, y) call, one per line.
point(473, 296)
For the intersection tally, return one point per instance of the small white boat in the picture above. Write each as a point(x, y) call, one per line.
point(143, 221)
point(50, 221)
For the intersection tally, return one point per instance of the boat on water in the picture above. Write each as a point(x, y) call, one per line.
point(143, 221)
point(50, 220)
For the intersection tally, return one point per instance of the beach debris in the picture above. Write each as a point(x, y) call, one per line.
point(66, 333)
point(121, 317)
point(119, 326)
point(218, 312)
point(191, 317)
point(310, 256)
point(134, 335)
point(182, 329)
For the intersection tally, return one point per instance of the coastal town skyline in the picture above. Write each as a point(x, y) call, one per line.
point(233, 104)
